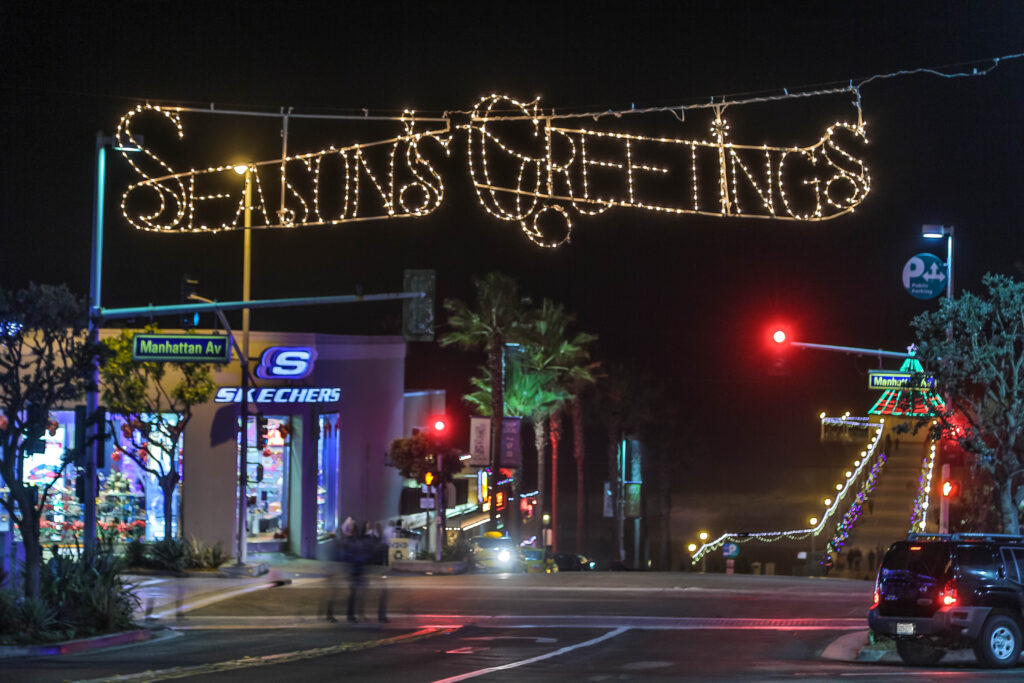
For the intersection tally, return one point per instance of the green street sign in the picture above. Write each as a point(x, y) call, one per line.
point(181, 348)
point(892, 379)
point(924, 276)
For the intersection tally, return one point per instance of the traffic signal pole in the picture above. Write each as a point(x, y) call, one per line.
point(439, 506)
point(944, 503)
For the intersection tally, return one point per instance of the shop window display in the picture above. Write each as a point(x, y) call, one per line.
point(327, 442)
point(61, 520)
point(131, 501)
point(267, 485)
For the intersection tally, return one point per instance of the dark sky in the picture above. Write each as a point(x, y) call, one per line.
point(687, 295)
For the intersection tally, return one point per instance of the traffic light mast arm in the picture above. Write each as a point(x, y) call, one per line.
point(853, 349)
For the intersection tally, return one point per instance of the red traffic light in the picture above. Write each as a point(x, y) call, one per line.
point(438, 425)
point(779, 336)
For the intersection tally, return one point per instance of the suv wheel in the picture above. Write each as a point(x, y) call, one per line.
point(919, 652)
point(999, 643)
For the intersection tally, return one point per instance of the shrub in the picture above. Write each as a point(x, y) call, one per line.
point(198, 555)
point(135, 554)
point(88, 594)
point(168, 554)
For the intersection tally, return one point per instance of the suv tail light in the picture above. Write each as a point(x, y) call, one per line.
point(948, 594)
point(877, 597)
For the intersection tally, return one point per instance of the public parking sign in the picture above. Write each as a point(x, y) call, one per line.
point(730, 550)
point(924, 276)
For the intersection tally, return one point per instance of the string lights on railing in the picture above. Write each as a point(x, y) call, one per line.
point(919, 514)
point(868, 459)
point(853, 513)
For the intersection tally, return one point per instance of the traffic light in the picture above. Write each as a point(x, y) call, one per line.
point(438, 427)
point(188, 288)
point(262, 431)
point(779, 346)
point(950, 489)
point(428, 478)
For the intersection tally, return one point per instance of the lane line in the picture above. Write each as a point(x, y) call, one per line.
point(268, 660)
point(538, 658)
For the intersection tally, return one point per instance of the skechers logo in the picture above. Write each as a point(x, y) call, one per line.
point(286, 362)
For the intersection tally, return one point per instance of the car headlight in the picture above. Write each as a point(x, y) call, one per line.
point(504, 556)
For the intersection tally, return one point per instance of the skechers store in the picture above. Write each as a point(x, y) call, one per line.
point(330, 406)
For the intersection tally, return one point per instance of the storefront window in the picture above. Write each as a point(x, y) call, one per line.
point(131, 501)
point(267, 486)
point(326, 473)
point(61, 520)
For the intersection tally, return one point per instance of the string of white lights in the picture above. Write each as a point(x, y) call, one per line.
point(862, 464)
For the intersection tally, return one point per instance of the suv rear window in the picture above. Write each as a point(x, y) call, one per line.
point(976, 561)
point(922, 559)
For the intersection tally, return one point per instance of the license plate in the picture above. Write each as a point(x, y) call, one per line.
point(904, 629)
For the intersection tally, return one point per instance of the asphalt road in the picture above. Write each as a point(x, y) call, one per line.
point(566, 627)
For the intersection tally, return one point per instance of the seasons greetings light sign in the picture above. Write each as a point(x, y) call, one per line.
point(541, 171)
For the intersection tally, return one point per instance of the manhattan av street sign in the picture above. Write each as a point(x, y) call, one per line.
point(181, 348)
point(892, 379)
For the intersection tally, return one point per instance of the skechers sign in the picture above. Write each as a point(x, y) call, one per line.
point(286, 362)
point(283, 362)
point(280, 395)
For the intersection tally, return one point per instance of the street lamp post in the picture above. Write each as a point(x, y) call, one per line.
point(243, 446)
point(937, 232)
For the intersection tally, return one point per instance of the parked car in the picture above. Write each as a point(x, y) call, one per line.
point(539, 561)
point(493, 552)
point(941, 591)
point(569, 562)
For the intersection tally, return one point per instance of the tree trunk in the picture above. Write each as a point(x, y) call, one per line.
point(542, 504)
point(1011, 518)
point(555, 424)
point(168, 482)
point(494, 357)
point(578, 451)
point(29, 528)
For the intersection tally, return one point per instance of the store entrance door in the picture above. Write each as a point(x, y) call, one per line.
point(268, 474)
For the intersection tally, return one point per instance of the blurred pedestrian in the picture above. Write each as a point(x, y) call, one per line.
point(339, 553)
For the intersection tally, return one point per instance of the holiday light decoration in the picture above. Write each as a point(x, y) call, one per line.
point(919, 514)
point(868, 460)
point(538, 176)
point(409, 186)
point(853, 513)
point(547, 180)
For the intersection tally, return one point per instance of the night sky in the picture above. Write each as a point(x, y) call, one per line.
point(689, 296)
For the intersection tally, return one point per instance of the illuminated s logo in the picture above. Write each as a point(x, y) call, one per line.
point(286, 362)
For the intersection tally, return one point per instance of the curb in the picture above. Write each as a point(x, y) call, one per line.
point(184, 574)
point(72, 646)
point(429, 567)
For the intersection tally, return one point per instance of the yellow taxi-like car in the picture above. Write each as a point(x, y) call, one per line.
point(493, 552)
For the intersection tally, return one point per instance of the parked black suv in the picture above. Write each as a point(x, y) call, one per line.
point(943, 591)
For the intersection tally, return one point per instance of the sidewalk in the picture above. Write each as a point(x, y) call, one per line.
point(165, 597)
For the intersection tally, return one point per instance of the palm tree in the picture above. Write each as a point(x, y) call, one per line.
point(549, 348)
point(532, 395)
point(500, 316)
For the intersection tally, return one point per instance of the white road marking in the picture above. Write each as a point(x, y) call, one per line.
point(531, 660)
point(211, 599)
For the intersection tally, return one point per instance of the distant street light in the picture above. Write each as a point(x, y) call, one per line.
point(703, 535)
point(937, 232)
